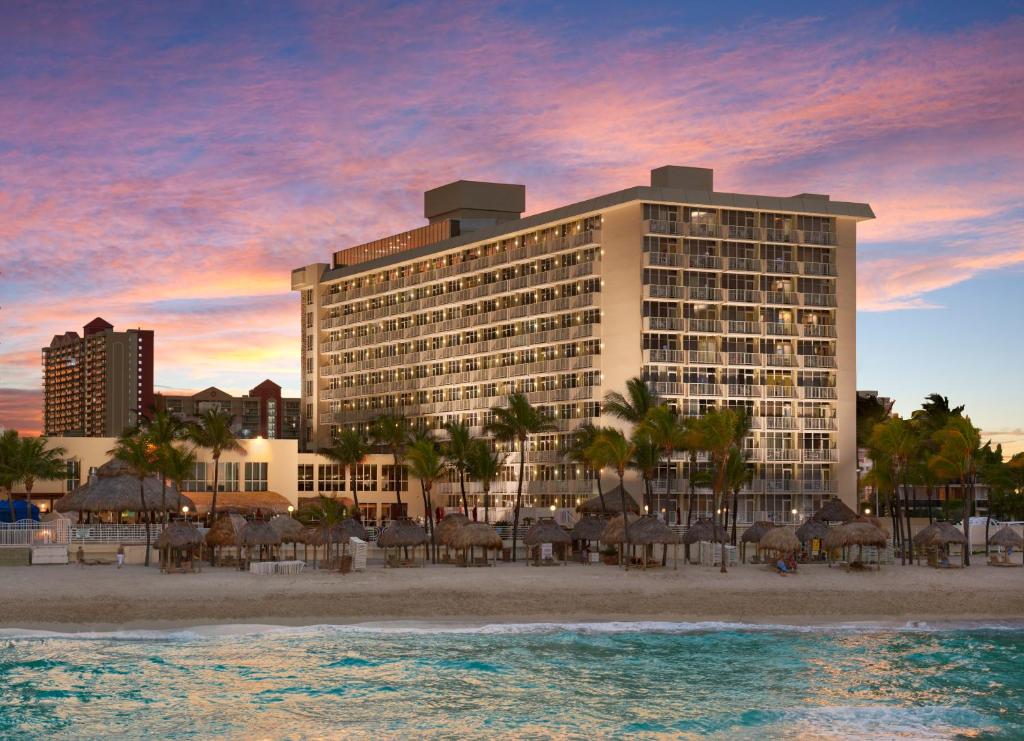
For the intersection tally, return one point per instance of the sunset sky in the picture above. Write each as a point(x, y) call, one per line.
point(167, 165)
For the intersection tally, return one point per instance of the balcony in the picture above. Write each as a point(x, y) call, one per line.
point(664, 323)
point(819, 269)
point(780, 360)
point(744, 296)
point(702, 293)
point(736, 326)
point(819, 392)
point(814, 456)
point(775, 391)
point(818, 330)
point(819, 299)
point(787, 267)
point(743, 264)
point(818, 423)
point(704, 389)
point(781, 423)
point(744, 358)
point(657, 291)
point(703, 262)
point(743, 390)
point(788, 298)
point(781, 454)
point(781, 328)
point(664, 259)
point(704, 326)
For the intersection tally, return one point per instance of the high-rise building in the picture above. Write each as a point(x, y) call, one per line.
point(714, 298)
point(263, 412)
point(98, 384)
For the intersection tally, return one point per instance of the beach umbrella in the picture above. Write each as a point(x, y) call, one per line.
point(612, 503)
point(545, 531)
point(260, 535)
point(705, 530)
point(780, 540)
point(178, 539)
point(1005, 537)
point(812, 530)
point(613, 530)
point(288, 529)
point(835, 510)
point(402, 533)
point(473, 535)
point(753, 535)
point(859, 534)
point(114, 488)
point(650, 531)
point(448, 526)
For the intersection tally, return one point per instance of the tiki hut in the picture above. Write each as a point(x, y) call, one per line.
point(936, 540)
point(872, 520)
point(812, 535)
point(446, 528)
point(588, 530)
point(351, 528)
point(701, 531)
point(226, 532)
point(289, 530)
point(400, 534)
point(753, 535)
point(835, 510)
point(260, 535)
point(612, 504)
point(472, 535)
point(650, 531)
point(1004, 540)
point(780, 540)
point(858, 534)
point(115, 488)
point(546, 532)
point(179, 543)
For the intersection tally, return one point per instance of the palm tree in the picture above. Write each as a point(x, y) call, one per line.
point(669, 434)
point(737, 475)
point(349, 450)
point(456, 450)
point(612, 448)
point(721, 430)
point(176, 463)
point(958, 444)
point(632, 407)
point(137, 451)
point(484, 465)
point(579, 452)
point(213, 432)
point(393, 433)
point(646, 457)
point(328, 511)
point(163, 429)
point(514, 424)
point(895, 440)
point(35, 459)
point(9, 443)
point(426, 463)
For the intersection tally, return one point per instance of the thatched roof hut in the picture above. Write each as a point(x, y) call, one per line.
point(612, 503)
point(855, 533)
point(871, 519)
point(179, 535)
point(475, 535)
point(1004, 537)
point(259, 532)
point(349, 528)
point(753, 533)
point(313, 535)
point(448, 526)
point(612, 534)
point(288, 529)
point(226, 530)
point(402, 533)
point(923, 536)
point(650, 530)
point(546, 531)
point(780, 540)
point(812, 530)
point(589, 527)
point(116, 489)
point(835, 510)
point(944, 533)
point(705, 530)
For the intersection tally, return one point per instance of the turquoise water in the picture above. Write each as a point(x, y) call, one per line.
point(539, 681)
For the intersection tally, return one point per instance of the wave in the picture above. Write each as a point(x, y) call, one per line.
point(213, 632)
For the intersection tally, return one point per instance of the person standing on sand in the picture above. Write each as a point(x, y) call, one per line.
point(120, 555)
point(80, 556)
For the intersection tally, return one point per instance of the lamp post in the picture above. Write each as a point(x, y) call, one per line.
point(793, 512)
point(291, 509)
point(184, 511)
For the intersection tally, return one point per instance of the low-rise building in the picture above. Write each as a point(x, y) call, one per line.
point(263, 412)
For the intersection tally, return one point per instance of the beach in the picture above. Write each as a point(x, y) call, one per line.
point(102, 597)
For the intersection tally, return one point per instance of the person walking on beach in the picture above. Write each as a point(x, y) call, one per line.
point(80, 557)
point(120, 555)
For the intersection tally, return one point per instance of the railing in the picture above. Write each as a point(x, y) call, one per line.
point(106, 532)
point(27, 533)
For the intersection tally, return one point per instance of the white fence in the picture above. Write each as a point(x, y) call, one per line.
point(114, 533)
point(25, 533)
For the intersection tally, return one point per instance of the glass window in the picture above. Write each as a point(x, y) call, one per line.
point(304, 477)
point(388, 473)
point(255, 476)
point(197, 481)
point(366, 477)
point(331, 477)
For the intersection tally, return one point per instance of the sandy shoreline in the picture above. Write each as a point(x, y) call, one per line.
point(64, 598)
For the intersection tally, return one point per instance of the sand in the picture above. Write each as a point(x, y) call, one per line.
point(105, 598)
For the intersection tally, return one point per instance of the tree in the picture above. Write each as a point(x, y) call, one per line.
point(669, 434)
point(456, 450)
point(579, 452)
point(870, 411)
point(514, 424)
point(34, 459)
point(484, 465)
point(177, 463)
point(163, 429)
point(139, 454)
point(896, 442)
point(721, 430)
point(392, 433)
point(614, 449)
point(9, 443)
point(426, 463)
point(213, 432)
point(957, 458)
point(646, 457)
point(632, 407)
point(349, 450)
point(933, 415)
point(737, 475)
point(329, 512)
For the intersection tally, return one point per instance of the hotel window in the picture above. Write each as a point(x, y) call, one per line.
point(389, 476)
point(227, 480)
point(366, 477)
point(197, 479)
point(331, 477)
point(255, 476)
point(73, 475)
point(304, 477)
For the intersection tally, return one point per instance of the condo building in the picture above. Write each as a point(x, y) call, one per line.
point(716, 299)
point(97, 384)
point(263, 412)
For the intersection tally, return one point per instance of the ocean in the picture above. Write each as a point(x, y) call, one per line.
point(601, 680)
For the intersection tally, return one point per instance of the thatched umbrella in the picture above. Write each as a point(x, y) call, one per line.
point(402, 533)
point(614, 533)
point(650, 531)
point(179, 541)
point(872, 520)
point(226, 531)
point(350, 528)
point(473, 535)
point(446, 528)
point(612, 503)
point(812, 530)
point(259, 534)
point(859, 534)
point(1004, 539)
point(835, 510)
point(115, 488)
point(753, 535)
point(289, 530)
point(588, 529)
point(780, 540)
point(704, 530)
point(937, 538)
point(545, 531)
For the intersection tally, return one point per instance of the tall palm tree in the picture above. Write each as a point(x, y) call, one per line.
point(738, 474)
point(163, 429)
point(632, 407)
point(959, 443)
point(328, 512)
point(456, 450)
point(9, 443)
point(427, 464)
point(895, 440)
point(514, 424)
point(349, 450)
point(579, 452)
point(669, 433)
point(176, 463)
point(139, 454)
point(722, 429)
point(213, 432)
point(393, 433)
point(35, 459)
point(614, 449)
point(646, 457)
point(484, 465)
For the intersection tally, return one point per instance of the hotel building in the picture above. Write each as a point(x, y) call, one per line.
point(263, 412)
point(715, 298)
point(97, 384)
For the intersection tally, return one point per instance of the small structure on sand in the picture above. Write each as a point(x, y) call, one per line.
point(753, 535)
point(937, 540)
point(471, 536)
point(289, 530)
point(860, 534)
point(180, 546)
point(588, 531)
point(546, 532)
point(649, 531)
point(612, 504)
point(704, 531)
point(446, 529)
point(1004, 540)
point(259, 535)
point(780, 541)
point(226, 532)
point(835, 510)
point(812, 537)
point(401, 535)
